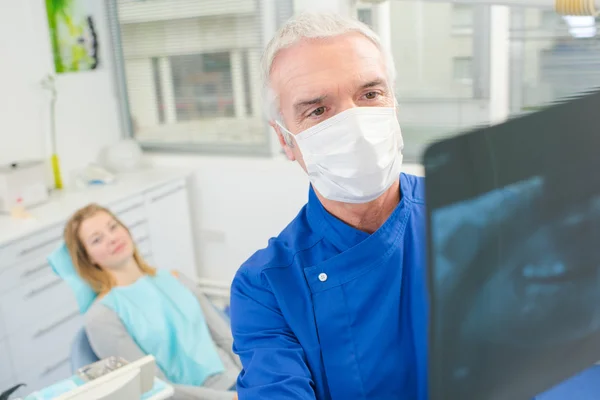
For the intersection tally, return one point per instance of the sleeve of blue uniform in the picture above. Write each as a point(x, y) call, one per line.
point(274, 364)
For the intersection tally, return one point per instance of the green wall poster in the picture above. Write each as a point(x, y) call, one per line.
point(73, 35)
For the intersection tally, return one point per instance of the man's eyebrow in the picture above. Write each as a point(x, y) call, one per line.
point(373, 83)
point(300, 105)
point(304, 103)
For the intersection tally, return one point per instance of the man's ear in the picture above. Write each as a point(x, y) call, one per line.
point(282, 142)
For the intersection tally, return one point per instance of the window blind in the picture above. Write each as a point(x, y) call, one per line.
point(190, 71)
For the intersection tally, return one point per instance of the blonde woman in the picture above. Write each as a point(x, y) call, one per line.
point(140, 310)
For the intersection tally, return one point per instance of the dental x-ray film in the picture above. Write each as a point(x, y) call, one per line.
point(514, 254)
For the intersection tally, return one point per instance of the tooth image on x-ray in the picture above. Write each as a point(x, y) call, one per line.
point(514, 257)
point(540, 272)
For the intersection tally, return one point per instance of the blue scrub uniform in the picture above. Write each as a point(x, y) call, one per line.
point(329, 312)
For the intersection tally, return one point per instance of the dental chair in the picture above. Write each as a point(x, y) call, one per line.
point(82, 353)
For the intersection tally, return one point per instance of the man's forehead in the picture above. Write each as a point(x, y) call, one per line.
point(301, 90)
point(350, 58)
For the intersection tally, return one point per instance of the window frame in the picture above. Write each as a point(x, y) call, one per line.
point(277, 14)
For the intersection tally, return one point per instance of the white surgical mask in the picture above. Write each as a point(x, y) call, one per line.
point(354, 156)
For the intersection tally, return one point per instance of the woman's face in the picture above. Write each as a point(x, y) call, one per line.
point(108, 244)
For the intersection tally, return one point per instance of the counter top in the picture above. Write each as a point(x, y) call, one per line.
point(63, 203)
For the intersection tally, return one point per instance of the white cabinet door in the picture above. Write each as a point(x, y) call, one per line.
point(170, 228)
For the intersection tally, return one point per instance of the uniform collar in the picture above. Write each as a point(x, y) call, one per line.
point(336, 231)
point(358, 250)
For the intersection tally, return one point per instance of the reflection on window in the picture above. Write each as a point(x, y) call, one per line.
point(435, 52)
point(549, 19)
point(365, 15)
point(557, 57)
point(202, 86)
point(566, 77)
point(247, 78)
point(160, 105)
point(462, 16)
point(463, 69)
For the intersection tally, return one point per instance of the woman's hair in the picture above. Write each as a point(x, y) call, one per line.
point(100, 280)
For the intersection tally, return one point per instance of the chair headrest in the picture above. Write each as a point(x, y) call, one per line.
point(62, 265)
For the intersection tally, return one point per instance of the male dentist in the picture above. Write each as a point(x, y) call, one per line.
point(335, 307)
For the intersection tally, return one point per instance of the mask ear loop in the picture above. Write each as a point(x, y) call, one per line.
point(287, 135)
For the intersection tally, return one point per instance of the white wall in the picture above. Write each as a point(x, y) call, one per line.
point(239, 203)
point(87, 111)
point(21, 101)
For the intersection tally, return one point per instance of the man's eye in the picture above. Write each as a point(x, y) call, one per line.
point(371, 95)
point(318, 111)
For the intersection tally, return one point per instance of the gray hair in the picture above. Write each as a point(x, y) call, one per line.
point(314, 26)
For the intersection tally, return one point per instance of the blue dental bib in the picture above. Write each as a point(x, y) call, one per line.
point(166, 320)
